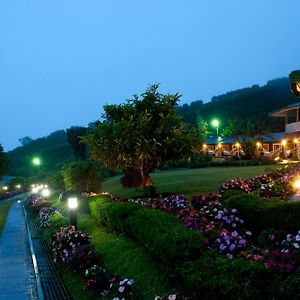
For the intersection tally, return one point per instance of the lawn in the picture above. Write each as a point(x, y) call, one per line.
point(4, 209)
point(188, 181)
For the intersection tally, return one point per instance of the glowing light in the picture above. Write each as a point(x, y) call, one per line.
point(72, 203)
point(297, 183)
point(237, 145)
point(34, 190)
point(36, 161)
point(18, 186)
point(215, 123)
point(5, 188)
point(296, 141)
point(283, 143)
point(45, 192)
point(204, 146)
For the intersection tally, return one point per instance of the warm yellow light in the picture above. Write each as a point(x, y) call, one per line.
point(296, 141)
point(220, 145)
point(297, 183)
point(72, 202)
point(204, 146)
point(258, 144)
point(283, 142)
point(238, 145)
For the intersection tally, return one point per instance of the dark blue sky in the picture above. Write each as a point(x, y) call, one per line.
point(61, 61)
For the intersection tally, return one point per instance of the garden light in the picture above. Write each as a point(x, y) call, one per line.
point(258, 145)
point(296, 141)
point(73, 204)
point(34, 190)
point(5, 188)
point(216, 123)
point(297, 183)
point(283, 143)
point(36, 161)
point(18, 186)
point(45, 192)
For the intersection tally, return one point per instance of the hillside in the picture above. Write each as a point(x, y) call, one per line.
point(52, 150)
point(251, 102)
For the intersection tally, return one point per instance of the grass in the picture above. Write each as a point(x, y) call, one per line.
point(120, 256)
point(4, 209)
point(188, 181)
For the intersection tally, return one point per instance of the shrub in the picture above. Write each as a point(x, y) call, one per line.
point(72, 247)
point(261, 214)
point(161, 234)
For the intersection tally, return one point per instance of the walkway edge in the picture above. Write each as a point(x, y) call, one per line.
point(35, 266)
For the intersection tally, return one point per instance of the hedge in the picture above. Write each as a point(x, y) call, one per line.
point(197, 272)
point(169, 241)
point(262, 214)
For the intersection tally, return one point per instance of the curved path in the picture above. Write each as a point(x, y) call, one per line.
point(17, 279)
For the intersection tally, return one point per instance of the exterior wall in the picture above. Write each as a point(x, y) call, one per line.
point(292, 127)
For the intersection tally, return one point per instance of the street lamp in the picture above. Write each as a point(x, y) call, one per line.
point(73, 204)
point(237, 146)
point(36, 161)
point(216, 123)
point(283, 143)
point(5, 188)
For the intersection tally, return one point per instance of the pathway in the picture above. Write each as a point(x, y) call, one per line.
point(17, 279)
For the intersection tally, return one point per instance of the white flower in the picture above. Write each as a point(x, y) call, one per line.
point(172, 297)
point(297, 238)
point(296, 245)
point(130, 282)
point(121, 289)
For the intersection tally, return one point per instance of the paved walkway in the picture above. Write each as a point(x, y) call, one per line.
point(17, 279)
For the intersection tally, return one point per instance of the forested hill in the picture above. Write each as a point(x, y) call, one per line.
point(52, 150)
point(251, 102)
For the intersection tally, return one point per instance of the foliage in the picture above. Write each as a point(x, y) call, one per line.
point(255, 102)
point(262, 214)
point(141, 134)
point(74, 135)
point(3, 162)
point(161, 234)
point(53, 150)
point(72, 247)
point(82, 176)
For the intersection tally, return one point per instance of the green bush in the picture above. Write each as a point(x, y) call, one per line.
point(213, 276)
point(161, 234)
point(262, 214)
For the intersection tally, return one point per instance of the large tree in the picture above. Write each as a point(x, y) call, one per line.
point(141, 134)
point(74, 134)
point(3, 162)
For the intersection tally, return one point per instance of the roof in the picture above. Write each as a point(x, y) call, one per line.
point(268, 138)
point(282, 112)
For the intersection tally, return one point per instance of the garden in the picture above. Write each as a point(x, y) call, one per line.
point(238, 243)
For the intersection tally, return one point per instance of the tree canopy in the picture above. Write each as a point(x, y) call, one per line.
point(3, 162)
point(141, 134)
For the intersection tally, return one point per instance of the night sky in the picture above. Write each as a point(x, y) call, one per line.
point(61, 61)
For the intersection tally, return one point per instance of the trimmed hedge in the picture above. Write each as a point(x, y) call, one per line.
point(196, 271)
point(214, 277)
point(262, 214)
point(161, 234)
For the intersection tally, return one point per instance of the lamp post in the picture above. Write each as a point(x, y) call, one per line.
point(216, 123)
point(73, 204)
point(237, 146)
point(283, 143)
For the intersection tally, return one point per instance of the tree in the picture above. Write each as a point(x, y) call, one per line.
point(82, 176)
point(3, 162)
point(141, 134)
point(74, 134)
point(25, 140)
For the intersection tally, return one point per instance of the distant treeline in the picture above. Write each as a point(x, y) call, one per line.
point(253, 102)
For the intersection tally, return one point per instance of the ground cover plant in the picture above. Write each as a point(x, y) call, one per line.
point(188, 181)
